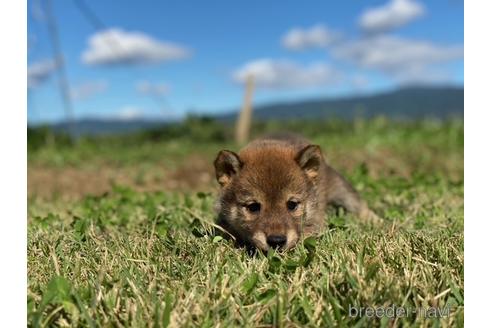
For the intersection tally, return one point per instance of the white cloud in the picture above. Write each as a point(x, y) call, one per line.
point(317, 36)
point(390, 16)
point(39, 72)
point(155, 89)
point(116, 46)
point(359, 82)
point(129, 113)
point(402, 59)
point(88, 89)
point(278, 74)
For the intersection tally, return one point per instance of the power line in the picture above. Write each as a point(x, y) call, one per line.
point(60, 64)
point(97, 23)
point(89, 14)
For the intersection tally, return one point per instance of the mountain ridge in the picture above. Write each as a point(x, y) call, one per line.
point(412, 102)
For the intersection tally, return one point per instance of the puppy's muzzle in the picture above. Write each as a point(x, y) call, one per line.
point(276, 241)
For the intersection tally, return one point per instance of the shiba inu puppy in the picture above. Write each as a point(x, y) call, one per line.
point(276, 190)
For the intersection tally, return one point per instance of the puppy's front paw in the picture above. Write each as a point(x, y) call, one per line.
point(369, 216)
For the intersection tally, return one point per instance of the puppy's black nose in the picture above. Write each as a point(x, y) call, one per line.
point(276, 241)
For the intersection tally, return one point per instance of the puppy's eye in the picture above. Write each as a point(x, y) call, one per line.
point(292, 205)
point(254, 207)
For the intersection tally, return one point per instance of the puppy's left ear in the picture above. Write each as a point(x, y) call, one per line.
point(309, 159)
point(227, 165)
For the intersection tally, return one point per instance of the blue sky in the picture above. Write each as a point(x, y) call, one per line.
point(163, 59)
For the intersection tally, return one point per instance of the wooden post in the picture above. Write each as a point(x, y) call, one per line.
point(243, 124)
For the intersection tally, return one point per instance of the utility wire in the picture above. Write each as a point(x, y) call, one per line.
point(97, 23)
point(89, 14)
point(60, 65)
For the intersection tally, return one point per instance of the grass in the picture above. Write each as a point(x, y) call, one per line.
point(136, 257)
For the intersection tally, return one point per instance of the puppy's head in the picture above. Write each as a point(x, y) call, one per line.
point(268, 192)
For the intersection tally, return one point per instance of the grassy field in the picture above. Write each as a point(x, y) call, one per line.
point(121, 233)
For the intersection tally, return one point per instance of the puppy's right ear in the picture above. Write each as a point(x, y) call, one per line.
point(227, 164)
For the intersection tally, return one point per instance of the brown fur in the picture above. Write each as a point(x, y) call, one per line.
point(258, 183)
